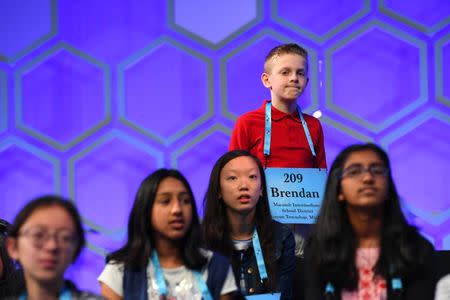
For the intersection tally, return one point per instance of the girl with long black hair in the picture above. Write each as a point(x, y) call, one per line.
point(162, 258)
point(238, 224)
point(362, 246)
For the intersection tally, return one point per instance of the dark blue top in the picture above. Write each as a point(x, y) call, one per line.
point(285, 264)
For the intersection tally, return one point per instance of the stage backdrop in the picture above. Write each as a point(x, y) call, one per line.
point(95, 95)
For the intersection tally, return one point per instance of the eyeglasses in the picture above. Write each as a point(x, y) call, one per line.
point(356, 171)
point(64, 238)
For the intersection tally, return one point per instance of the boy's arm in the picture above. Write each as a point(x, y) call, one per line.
point(239, 137)
point(320, 149)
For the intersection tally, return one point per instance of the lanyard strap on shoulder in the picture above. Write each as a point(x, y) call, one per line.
point(202, 285)
point(268, 129)
point(162, 288)
point(307, 133)
point(259, 256)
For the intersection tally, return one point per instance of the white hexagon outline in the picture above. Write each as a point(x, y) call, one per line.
point(410, 22)
point(3, 102)
point(134, 58)
point(333, 31)
point(62, 46)
point(438, 68)
point(423, 73)
point(434, 218)
point(312, 64)
point(39, 153)
point(175, 155)
point(96, 249)
point(345, 129)
point(40, 41)
point(99, 142)
point(214, 46)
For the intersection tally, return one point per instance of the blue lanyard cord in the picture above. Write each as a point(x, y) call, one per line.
point(396, 281)
point(159, 274)
point(396, 284)
point(329, 288)
point(259, 256)
point(268, 130)
point(307, 133)
point(65, 295)
point(202, 285)
point(162, 288)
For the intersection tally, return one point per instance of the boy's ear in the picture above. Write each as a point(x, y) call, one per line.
point(11, 247)
point(265, 80)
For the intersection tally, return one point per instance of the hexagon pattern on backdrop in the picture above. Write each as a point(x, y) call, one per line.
point(3, 103)
point(25, 27)
point(93, 98)
point(391, 80)
point(442, 62)
point(225, 19)
point(82, 89)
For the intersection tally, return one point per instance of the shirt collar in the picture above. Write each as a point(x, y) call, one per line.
point(279, 115)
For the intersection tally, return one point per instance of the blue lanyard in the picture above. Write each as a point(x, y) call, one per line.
point(259, 256)
point(65, 295)
point(159, 274)
point(268, 129)
point(162, 288)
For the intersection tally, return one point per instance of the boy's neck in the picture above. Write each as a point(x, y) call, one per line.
point(241, 224)
point(288, 107)
point(36, 290)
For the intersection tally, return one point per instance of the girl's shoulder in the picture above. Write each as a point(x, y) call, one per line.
point(116, 266)
point(281, 230)
point(214, 257)
point(206, 253)
point(284, 241)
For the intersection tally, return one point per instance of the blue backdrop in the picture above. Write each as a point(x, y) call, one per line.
point(94, 95)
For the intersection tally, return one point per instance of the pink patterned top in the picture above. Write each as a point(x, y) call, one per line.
point(370, 287)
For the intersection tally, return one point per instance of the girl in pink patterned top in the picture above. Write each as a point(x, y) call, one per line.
point(362, 246)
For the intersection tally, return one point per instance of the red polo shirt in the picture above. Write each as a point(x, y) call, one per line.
point(289, 147)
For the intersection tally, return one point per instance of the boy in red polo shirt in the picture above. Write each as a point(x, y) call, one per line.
point(285, 74)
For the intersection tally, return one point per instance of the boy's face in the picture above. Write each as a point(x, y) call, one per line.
point(286, 77)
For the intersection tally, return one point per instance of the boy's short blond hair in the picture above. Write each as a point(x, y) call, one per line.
point(284, 49)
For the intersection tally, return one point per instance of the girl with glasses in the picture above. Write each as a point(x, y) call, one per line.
point(362, 246)
point(45, 238)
